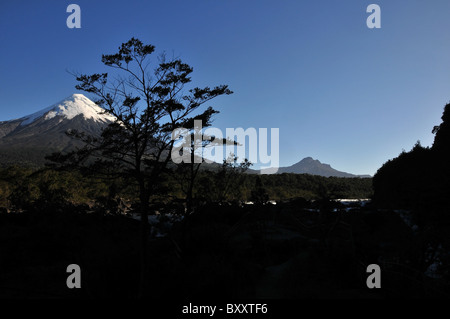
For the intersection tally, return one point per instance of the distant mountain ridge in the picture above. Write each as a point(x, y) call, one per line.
point(29, 139)
point(308, 165)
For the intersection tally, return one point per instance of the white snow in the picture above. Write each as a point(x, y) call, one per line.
point(70, 107)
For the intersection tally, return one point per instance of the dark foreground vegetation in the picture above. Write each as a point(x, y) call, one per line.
point(300, 247)
point(50, 219)
point(294, 249)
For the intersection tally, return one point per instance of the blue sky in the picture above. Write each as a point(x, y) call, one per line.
point(350, 96)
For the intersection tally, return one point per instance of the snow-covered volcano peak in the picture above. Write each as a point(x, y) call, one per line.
point(70, 107)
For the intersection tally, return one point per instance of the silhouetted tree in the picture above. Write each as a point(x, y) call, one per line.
point(148, 105)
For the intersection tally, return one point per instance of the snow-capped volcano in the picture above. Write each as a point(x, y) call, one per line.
point(76, 104)
point(30, 138)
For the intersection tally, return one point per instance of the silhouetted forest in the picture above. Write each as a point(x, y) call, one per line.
point(417, 184)
point(419, 178)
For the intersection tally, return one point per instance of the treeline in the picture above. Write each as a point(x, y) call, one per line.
point(24, 188)
point(420, 178)
point(25, 156)
point(286, 186)
point(282, 187)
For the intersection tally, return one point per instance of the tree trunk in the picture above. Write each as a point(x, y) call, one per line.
point(144, 198)
point(189, 199)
